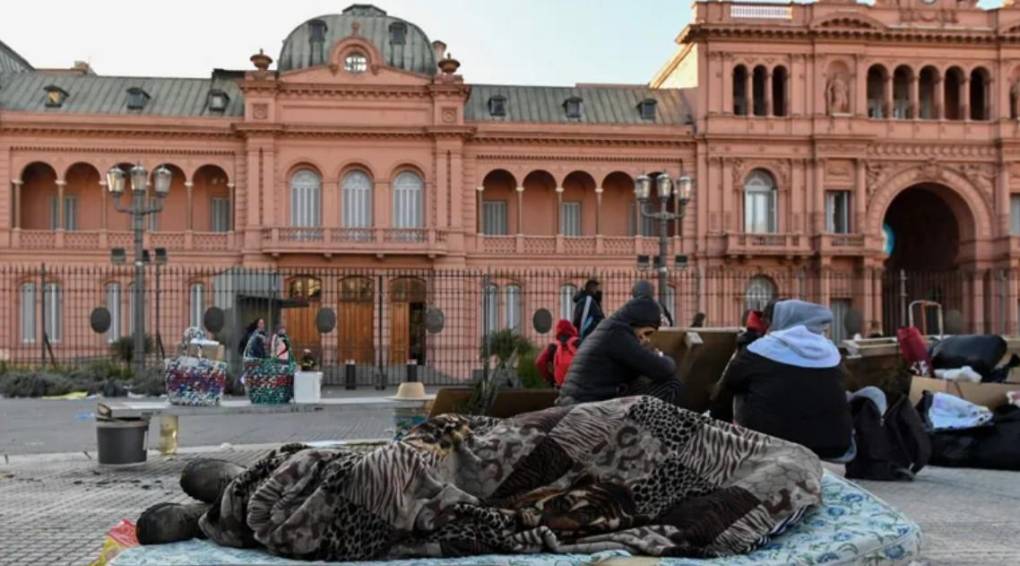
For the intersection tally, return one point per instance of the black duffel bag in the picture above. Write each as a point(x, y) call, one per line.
point(981, 352)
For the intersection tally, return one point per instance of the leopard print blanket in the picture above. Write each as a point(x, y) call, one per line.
point(635, 474)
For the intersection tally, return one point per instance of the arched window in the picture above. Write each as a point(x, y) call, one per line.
point(28, 313)
point(760, 203)
point(407, 200)
point(512, 307)
point(979, 94)
point(490, 308)
point(952, 98)
point(567, 293)
point(901, 93)
point(306, 199)
point(113, 306)
point(926, 93)
point(196, 304)
point(877, 78)
point(740, 94)
point(357, 200)
point(779, 76)
point(316, 41)
point(760, 291)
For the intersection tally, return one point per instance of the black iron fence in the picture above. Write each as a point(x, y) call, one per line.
point(380, 320)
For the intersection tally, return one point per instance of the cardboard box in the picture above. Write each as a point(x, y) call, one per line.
point(991, 395)
point(701, 356)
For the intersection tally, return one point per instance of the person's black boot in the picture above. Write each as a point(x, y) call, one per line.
point(170, 522)
point(206, 478)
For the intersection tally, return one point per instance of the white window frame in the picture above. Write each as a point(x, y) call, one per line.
point(70, 213)
point(28, 313)
point(512, 304)
point(219, 212)
point(840, 307)
point(760, 291)
point(113, 305)
point(832, 213)
point(196, 304)
point(760, 196)
point(356, 190)
point(495, 217)
point(567, 292)
point(54, 323)
point(408, 200)
point(306, 199)
point(571, 218)
point(490, 308)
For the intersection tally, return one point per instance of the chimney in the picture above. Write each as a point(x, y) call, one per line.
point(440, 50)
point(83, 67)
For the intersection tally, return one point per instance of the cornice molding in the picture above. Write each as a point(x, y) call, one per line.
point(24, 128)
point(119, 150)
point(729, 31)
point(507, 158)
point(497, 138)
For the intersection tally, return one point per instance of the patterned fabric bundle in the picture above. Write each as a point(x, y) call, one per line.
point(634, 474)
point(269, 381)
point(194, 381)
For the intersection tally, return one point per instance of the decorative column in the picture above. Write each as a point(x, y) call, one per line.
point(857, 204)
point(768, 92)
point(598, 210)
point(887, 97)
point(61, 221)
point(559, 211)
point(230, 208)
point(520, 210)
point(818, 206)
point(479, 226)
point(940, 92)
point(17, 204)
point(915, 96)
point(190, 216)
point(965, 98)
point(1002, 199)
point(749, 91)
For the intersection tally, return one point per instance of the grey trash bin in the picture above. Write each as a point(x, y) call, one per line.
point(122, 442)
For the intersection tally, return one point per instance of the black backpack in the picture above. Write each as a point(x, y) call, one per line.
point(894, 446)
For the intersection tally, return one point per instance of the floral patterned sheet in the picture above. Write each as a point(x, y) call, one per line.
point(851, 527)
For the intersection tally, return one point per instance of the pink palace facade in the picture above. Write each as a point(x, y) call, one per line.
point(813, 132)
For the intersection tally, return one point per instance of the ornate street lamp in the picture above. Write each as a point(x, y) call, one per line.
point(142, 205)
point(664, 189)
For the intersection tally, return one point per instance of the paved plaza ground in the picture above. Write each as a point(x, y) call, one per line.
point(56, 508)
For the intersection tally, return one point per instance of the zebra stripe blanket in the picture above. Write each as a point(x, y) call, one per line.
point(635, 474)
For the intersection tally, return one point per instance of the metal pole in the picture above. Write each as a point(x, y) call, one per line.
point(138, 217)
point(42, 313)
point(485, 330)
point(663, 250)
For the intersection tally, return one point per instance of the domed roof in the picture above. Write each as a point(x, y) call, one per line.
point(414, 54)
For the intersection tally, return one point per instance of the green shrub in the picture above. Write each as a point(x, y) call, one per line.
point(527, 371)
point(122, 349)
point(34, 384)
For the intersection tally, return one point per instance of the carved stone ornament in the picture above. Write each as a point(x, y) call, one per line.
point(839, 168)
point(931, 170)
point(449, 115)
point(260, 111)
point(837, 95)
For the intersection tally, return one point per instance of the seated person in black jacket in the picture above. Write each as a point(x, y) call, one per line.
point(617, 360)
point(791, 382)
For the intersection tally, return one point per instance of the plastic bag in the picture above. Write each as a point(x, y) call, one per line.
point(120, 537)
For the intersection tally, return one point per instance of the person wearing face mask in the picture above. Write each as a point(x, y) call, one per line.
point(790, 383)
point(617, 360)
point(588, 308)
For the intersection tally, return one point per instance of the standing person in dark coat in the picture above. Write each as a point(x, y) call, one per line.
point(588, 308)
point(790, 383)
point(618, 360)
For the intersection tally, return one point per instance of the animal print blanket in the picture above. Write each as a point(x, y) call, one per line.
point(635, 474)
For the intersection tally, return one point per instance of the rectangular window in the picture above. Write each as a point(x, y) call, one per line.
point(494, 218)
point(570, 218)
point(220, 221)
point(54, 312)
point(70, 213)
point(567, 293)
point(113, 305)
point(197, 304)
point(28, 313)
point(759, 213)
point(512, 318)
point(490, 309)
point(647, 226)
point(840, 309)
point(837, 212)
point(1014, 215)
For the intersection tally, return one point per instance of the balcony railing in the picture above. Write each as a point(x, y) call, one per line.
point(766, 244)
point(761, 12)
point(616, 246)
point(837, 244)
point(92, 240)
point(362, 240)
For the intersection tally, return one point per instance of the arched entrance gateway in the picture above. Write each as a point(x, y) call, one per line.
point(929, 234)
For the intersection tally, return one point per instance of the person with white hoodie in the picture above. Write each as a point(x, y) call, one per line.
point(791, 382)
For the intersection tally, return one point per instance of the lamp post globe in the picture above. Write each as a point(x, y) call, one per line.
point(161, 181)
point(139, 178)
point(664, 186)
point(643, 188)
point(685, 188)
point(115, 181)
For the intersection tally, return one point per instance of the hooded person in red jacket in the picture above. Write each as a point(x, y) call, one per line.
point(555, 360)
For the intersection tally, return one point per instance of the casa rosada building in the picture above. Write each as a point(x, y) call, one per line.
point(832, 136)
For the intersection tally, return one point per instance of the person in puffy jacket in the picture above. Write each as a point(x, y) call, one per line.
point(552, 364)
point(790, 383)
point(643, 288)
point(588, 308)
point(617, 360)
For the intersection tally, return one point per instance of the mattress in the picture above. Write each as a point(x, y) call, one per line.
point(851, 526)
